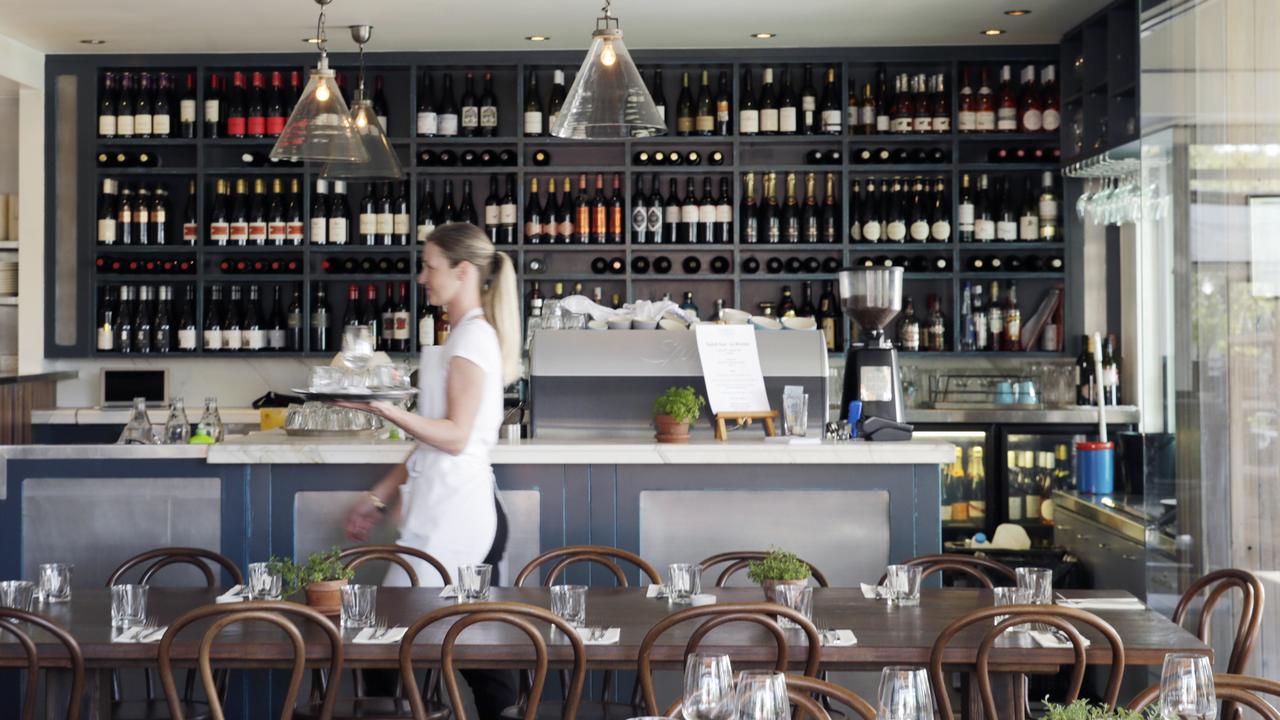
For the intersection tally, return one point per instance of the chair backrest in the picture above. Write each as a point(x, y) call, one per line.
point(980, 569)
point(596, 554)
point(814, 690)
point(356, 556)
point(738, 560)
point(274, 612)
point(74, 660)
point(762, 614)
point(1062, 618)
point(1219, 583)
point(1232, 689)
point(156, 560)
point(517, 615)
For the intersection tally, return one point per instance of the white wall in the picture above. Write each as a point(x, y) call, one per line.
point(235, 382)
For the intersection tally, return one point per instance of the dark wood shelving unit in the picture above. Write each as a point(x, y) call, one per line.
point(207, 159)
point(1099, 82)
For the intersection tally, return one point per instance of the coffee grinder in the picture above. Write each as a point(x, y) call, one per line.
point(872, 297)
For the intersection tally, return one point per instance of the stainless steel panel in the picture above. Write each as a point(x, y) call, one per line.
point(319, 516)
point(637, 353)
point(98, 524)
point(844, 533)
point(1120, 415)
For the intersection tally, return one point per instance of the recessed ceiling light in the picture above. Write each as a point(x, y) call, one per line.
point(992, 32)
point(537, 38)
point(764, 35)
point(312, 40)
point(93, 41)
point(1017, 13)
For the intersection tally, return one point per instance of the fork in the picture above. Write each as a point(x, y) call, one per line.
point(597, 633)
point(379, 628)
point(149, 627)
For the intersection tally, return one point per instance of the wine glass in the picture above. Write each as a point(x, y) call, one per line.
point(762, 695)
point(1186, 688)
point(708, 687)
point(905, 694)
point(357, 346)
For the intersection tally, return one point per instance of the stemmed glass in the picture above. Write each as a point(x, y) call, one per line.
point(708, 687)
point(905, 694)
point(1186, 688)
point(357, 346)
point(762, 695)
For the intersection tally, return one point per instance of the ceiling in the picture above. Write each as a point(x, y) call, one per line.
point(57, 26)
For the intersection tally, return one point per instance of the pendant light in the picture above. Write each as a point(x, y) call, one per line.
point(381, 162)
point(608, 98)
point(320, 126)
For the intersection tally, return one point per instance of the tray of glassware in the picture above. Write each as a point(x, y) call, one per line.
point(389, 381)
point(316, 419)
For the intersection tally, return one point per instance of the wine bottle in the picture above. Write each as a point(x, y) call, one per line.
point(809, 120)
point(426, 211)
point(810, 232)
point(704, 122)
point(1050, 116)
point(1006, 220)
point(856, 205)
point(532, 107)
point(488, 108)
point(684, 107)
point(984, 105)
point(768, 105)
point(1047, 209)
point(599, 214)
point(790, 216)
point(831, 122)
point(984, 224)
point(655, 211)
point(256, 108)
point(770, 220)
point(723, 105)
point(1030, 117)
point(320, 338)
point(447, 110)
point(339, 215)
point(427, 120)
point(107, 109)
point(533, 215)
point(940, 217)
point(469, 113)
point(829, 219)
point(659, 94)
point(1007, 102)
point(688, 231)
point(556, 101)
point(566, 214)
point(583, 215)
point(748, 110)
point(142, 119)
point(918, 227)
point(367, 217)
point(671, 214)
point(788, 110)
point(639, 214)
point(706, 214)
point(748, 213)
point(724, 216)
point(941, 106)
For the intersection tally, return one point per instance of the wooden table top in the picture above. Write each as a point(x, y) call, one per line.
point(886, 635)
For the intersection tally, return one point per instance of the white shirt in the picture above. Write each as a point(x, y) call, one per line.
point(447, 503)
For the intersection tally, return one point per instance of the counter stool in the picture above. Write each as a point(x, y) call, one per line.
point(9, 618)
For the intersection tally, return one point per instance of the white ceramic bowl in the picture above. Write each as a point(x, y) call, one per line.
point(597, 325)
point(638, 324)
point(799, 323)
point(622, 322)
point(765, 323)
point(735, 317)
point(670, 324)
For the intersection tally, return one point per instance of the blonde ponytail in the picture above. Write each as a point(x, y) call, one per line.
point(499, 297)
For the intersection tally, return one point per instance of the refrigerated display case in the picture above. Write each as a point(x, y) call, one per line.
point(965, 490)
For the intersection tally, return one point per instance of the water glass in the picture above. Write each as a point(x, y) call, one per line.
point(1011, 596)
point(905, 694)
point(359, 605)
point(795, 414)
point(128, 605)
point(798, 598)
point(1039, 584)
point(569, 602)
point(762, 695)
point(264, 583)
point(708, 687)
point(473, 581)
point(903, 582)
point(684, 580)
point(1186, 687)
point(325, 378)
point(17, 594)
point(357, 346)
point(55, 582)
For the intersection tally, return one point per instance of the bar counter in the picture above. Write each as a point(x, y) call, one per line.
point(854, 507)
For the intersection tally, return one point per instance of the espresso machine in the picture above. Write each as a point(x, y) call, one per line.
point(872, 297)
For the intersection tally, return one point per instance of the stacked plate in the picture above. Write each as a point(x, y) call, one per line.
point(8, 277)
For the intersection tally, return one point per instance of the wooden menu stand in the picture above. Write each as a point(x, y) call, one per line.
point(745, 418)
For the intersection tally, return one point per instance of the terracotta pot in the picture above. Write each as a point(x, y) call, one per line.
point(770, 586)
point(671, 430)
point(326, 597)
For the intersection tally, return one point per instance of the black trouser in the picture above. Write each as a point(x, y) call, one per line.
point(494, 690)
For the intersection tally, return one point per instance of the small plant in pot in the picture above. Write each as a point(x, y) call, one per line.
point(1085, 710)
point(779, 567)
point(673, 412)
point(321, 576)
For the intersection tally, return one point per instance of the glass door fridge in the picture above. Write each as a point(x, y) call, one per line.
point(1035, 461)
point(966, 493)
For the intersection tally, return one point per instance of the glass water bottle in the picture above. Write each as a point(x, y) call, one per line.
point(138, 429)
point(177, 431)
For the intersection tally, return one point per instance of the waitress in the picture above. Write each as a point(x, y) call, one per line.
point(449, 505)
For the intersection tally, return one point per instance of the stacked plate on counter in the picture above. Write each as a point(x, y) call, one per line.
point(8, 278)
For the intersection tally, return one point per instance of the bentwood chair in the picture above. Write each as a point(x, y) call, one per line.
point(401, 556)
point(1234, 690)
point(278, 613)
point(1062, 619)
point(11, 622)
point(150, 563)
point(609, 558)
point(739, 559)
point(714, 616)
point(1219, 584)
point(979, 569)
point(518, 615)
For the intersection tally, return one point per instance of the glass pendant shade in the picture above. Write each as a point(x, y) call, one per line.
point(382, 163)
point(320, 126)
point(608, 99)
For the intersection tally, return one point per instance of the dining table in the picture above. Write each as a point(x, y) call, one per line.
point(886, 634)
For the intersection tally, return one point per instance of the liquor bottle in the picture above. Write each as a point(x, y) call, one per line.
point(1029, 219)
point(688, 230)
point(1050, 116)
point(447, 110)
point(788, 111)
point(556, 101)
point(1048, 209)
point(639, 214)
point(984, 105)
point(533, 215)
point(723, 102)
point(768, 105)
point(615, 233)
point(532, 106)
point(909, 329)
point(599, 213)
point(1006, 102)
point(706, 214)
point(659, 96)
point(940, 215)
point(748, 110)
point(427, 121)
point(582, 218)
point(688, 305)
point(320, 319)
point(1006, 219)
point(339, 215)
point(684, 107)
point(810, 230)
point(704, 119)
point(566, 214)
point(1030, 117)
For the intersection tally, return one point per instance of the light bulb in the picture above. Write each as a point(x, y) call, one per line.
point(361, 120)
point(607, 56)
point(322, 92)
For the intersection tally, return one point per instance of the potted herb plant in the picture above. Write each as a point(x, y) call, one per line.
point(779, 567)
point(321, 576)
point(673, 412)
point(1085, 710)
